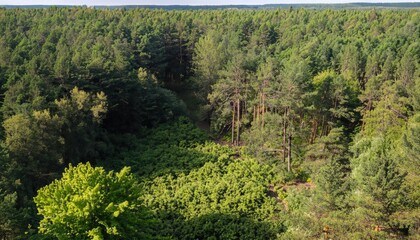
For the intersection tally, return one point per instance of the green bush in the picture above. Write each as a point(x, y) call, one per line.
point(229, 192)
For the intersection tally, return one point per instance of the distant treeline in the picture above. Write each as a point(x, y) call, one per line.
point(360, 5)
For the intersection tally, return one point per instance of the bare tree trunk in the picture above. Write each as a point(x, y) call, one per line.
point(254, 115)
point(180, 49)
point(314, 130)
point(238, 123)
point(259, 109)
point(289, 153)
point(284, 134)
point(233, 123)
point(245, 94)
point(322, 126)
point(263, 107)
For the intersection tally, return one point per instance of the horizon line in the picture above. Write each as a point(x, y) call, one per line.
point(204, 5)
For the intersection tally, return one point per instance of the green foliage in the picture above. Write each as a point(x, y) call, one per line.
point(290, 86)
point(35, 146)
point(209, 58)
point(333, 185)
point(332, 98)
point(81, 114)
point(410, 162)
point(265, 143)
point(11, 215)
point(388, 113)
point(89, 203)
point(38, 144)
point(174, 147)
point(180, 132)
point(225, 226)
point(332, 178)
point(228, 95)
point(411, 143)
point(189, 183)
point(227, 191)
point(379, 190)
point(299, 224)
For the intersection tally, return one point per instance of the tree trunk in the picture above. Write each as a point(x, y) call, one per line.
point(259, 109)
point(263, 107)
point(284, 134)
point(180, 49)
point(233, 123)
point(254, 115)
point(314, 130)
point(238, 123)
point(289, 153)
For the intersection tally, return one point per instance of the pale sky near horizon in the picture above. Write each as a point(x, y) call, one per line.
point(178, 2)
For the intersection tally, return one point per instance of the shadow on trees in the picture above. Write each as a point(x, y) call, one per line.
point(150, 161)
point(218, 226)
point(171, 148)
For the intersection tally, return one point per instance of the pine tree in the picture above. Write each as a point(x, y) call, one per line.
point(332, 178)
point(379, 182)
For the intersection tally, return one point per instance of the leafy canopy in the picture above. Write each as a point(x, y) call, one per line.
point(90, 203)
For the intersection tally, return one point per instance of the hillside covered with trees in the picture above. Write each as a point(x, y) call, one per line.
point(209, 124)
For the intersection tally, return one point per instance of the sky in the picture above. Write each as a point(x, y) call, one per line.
point(177, 2)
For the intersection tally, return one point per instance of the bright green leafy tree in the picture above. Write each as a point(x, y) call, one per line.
point(90, 203)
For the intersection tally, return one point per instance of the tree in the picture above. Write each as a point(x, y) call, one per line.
point(328, 159)
point(351, 66)
point(39, 143)
point(288, 96)
point(267, 74)
point(379, 181)
point(411, 140)
point(35, 148)
point(209, 59)
point(62, 63)
point(266, 143)
point(388, 113)
point(90, 203)
point(408, 65)
point(332, 177)
point(81, 113)
point(12, 217)
point(228, 98)
point(330, 103)
point(23, 95)
point(410, 162)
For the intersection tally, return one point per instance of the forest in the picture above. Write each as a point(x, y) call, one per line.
point(209, 124)
point(297, 5)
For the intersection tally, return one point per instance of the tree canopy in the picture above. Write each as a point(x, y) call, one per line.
point(235, 123)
